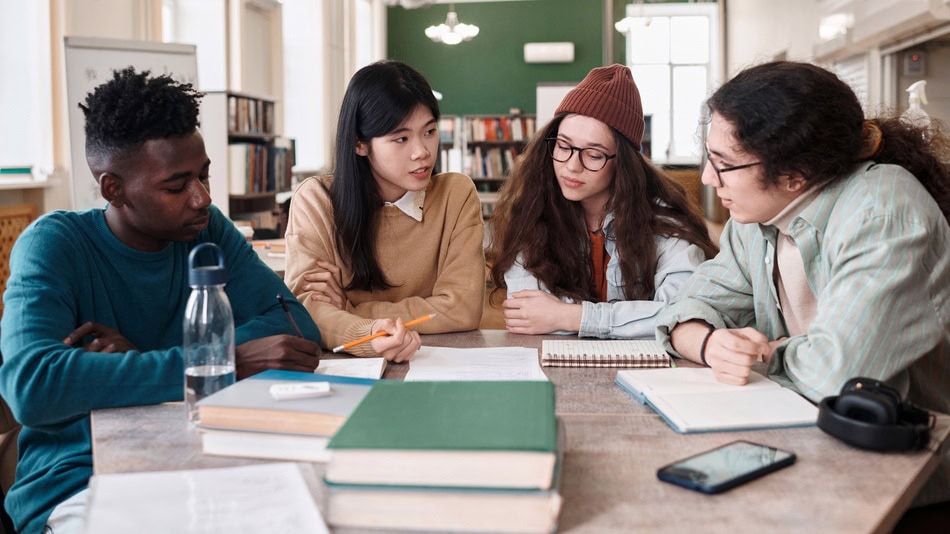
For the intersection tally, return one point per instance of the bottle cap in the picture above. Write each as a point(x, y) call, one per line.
point(212, 275)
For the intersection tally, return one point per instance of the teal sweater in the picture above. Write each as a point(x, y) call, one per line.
point(68, 268)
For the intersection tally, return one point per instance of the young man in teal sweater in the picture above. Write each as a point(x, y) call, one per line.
point(95, 300)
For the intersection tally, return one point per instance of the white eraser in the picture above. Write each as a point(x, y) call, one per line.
point(300, 391)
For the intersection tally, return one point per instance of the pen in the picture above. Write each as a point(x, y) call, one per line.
point(381, 333)
point(290, 316)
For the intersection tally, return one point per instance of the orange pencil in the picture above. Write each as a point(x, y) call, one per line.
point(381, 333)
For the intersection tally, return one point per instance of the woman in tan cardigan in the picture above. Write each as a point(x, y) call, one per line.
point(383, 241)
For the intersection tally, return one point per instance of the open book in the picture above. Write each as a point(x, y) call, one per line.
point(691, 400)
point(625, 353)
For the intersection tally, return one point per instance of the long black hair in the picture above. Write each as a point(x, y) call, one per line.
point(378, 98)
point(800, 118)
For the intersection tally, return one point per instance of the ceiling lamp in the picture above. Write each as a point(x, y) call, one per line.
point(452, 32)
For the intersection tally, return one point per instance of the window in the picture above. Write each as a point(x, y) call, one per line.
point(25, 97)
point(304, 118)
point(674, 53)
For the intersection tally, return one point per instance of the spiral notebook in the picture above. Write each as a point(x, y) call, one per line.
point(625, 353)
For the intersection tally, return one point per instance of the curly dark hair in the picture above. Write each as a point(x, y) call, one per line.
point(533, 219)
point(133, 108)
point(801, 118)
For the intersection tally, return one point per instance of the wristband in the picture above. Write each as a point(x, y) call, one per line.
point(702, 348)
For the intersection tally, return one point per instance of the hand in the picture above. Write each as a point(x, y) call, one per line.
point(105, 339)
point(399, 345)
point(539, 312)
point(326, 285)
point(731, 352)
point(276, 352)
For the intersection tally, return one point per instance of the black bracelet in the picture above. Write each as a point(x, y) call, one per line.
point(702, 348)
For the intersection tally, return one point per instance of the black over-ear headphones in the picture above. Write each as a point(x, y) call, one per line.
point(871, 415)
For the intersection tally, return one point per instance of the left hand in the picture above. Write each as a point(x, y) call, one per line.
point(326, 285)
point(539, 312)
point(276, 352)
point(105, 339)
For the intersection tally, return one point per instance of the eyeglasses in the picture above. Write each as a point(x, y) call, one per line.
point(591, 158)
point(728, 169)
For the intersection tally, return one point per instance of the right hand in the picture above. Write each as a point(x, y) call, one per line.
point(276, 352)
point(731, 352)
point(399, 345)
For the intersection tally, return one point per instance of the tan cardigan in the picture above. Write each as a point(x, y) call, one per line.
point(435, 266)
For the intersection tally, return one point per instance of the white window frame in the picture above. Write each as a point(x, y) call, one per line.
point(713, 67)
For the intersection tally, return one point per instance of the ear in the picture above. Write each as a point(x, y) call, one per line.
point(795, 183)
point(362, 149)
point(110, 187)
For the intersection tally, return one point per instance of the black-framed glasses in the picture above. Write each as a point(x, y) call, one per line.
point(728, 169)
point(592, 159)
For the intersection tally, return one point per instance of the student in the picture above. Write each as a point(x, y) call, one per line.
point(589, 237)
point(383, 240)
point(95, 301)
point(836, 261)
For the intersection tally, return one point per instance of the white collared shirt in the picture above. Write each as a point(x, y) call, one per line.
point(411, 204)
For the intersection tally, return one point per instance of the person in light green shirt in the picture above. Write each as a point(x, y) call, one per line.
point(836, 260)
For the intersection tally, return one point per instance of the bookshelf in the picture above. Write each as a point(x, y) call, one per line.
point(250, 163)
point(492, 144)
point(450, 155)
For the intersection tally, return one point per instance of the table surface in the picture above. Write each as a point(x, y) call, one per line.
point(614, 446)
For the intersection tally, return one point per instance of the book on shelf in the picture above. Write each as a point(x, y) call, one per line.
point(248, 405)
point(445, 509)
point(477, 434)
point(692, 400)
point(623, 353)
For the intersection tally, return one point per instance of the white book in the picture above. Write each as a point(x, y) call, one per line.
point(248, 499)
point(266, 445)
point(692, 400)
point(352, 367)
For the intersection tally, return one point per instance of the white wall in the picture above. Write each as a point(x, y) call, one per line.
point(764, 30)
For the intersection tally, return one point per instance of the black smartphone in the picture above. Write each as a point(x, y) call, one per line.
point(725, 467)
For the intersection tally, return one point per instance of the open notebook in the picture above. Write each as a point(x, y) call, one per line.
point(623, 353)
point(692, 400)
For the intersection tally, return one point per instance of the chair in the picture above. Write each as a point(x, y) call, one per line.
point(13, 220)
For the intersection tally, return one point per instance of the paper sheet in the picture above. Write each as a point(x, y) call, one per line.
point(494, 363)
point(248, 499)
point(352, 367)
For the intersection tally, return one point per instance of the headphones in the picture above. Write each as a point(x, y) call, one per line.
point(869, 414)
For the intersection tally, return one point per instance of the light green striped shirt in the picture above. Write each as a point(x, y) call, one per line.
point(876, 251)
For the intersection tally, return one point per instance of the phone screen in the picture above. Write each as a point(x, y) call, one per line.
point(725, 467)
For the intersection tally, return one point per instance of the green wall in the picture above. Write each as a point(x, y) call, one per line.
point(488, 74)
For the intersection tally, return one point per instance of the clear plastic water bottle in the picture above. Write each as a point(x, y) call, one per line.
point(208, 331)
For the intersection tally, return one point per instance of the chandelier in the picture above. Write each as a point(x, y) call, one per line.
point(452, 32)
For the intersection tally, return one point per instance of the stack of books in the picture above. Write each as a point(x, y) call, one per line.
point(245, 419)
point(448, 456)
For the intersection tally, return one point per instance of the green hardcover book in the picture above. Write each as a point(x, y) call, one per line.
point(449, 434)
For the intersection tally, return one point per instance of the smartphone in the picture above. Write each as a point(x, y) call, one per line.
point(725, 467)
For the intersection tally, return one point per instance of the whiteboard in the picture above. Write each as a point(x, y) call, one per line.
point(548, 98)
point(89, 63)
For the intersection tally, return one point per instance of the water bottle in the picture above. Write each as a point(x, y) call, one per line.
point(208, 331)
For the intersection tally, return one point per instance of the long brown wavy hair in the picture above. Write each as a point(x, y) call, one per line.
point(533, 219)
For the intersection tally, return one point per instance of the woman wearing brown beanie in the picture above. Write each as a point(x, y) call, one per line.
point(588, 236)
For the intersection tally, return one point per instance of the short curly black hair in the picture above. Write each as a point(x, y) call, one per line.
point(133, 108)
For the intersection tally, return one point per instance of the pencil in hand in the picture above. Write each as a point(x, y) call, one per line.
point(381, 333)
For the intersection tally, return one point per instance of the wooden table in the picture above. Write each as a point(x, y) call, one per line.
point(614, 446)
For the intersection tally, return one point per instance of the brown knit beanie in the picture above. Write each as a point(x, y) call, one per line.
point(609, 95)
